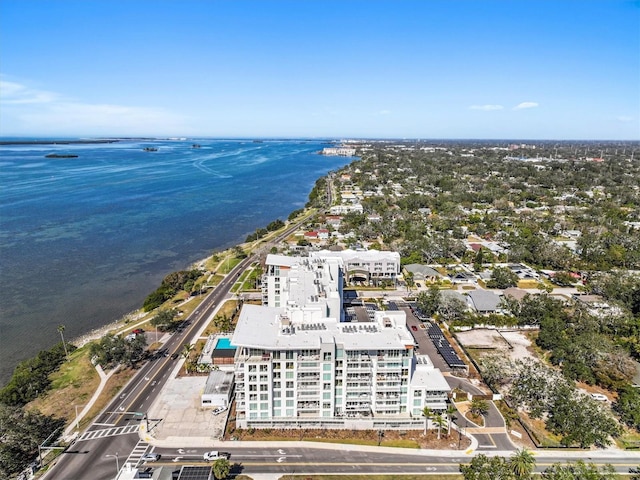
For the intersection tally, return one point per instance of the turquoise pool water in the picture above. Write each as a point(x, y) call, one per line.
point(224, 344)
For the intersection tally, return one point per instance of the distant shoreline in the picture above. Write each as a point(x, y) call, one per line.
point(57, 142)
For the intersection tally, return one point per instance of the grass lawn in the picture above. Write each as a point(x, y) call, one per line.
point(72, 384)
point(114, 385)
point(528, 284)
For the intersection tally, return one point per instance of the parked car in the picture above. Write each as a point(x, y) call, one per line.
point(215, 455)
point(138, 331)
point(598, 396)
point(218, 410)
point(414, 328)
point(151, 457)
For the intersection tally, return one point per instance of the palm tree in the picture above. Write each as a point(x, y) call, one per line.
point(64, 345)
point(522, 463)
point(451, 416)
point(439, 420)
point(221, 468)
point(427, 413)
point(479, 407)
point(187, 348)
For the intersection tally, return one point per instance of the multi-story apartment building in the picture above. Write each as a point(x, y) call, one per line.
point(298, 364)
point(370, 266)
point(308, 284)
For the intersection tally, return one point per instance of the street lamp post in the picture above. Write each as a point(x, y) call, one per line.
point(77, 420)
point(117, 463)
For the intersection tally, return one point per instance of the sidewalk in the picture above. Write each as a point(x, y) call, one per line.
point(104, 378)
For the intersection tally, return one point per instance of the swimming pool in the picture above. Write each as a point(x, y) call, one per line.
point(224, 344)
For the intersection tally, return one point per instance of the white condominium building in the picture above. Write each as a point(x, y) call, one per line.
point(311, 285)
point(297, 364)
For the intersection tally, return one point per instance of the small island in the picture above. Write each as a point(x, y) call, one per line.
point(59, 155)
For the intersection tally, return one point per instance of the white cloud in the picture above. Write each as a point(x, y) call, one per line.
point(486, 108)
point(14, 93)
point(625, 118)
point(29, 111)
point(384, 112)
point(522, 105)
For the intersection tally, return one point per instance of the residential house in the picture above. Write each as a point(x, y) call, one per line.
point(423, 273)
point(483, 301)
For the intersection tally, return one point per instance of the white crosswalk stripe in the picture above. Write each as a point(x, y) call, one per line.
point(138, 451)
point(107, 432)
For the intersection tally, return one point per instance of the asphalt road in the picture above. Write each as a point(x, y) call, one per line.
point(282, 459)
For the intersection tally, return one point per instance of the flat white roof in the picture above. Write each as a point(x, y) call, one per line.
point(427, 377)
point(272, 329)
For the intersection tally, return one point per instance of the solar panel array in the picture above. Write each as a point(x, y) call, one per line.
point(444, 347)
point(195, 473)
point(371, 309)
point(392, 306)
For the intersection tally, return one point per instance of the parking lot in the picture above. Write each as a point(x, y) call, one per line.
point(177, 411)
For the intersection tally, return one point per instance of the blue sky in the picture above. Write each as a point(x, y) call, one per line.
point(528, 69)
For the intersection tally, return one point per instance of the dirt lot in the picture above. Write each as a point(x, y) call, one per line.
point(513, 343)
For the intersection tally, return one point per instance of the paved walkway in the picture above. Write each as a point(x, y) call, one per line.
point(104, 378)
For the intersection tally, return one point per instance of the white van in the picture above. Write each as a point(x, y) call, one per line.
point(600, 397)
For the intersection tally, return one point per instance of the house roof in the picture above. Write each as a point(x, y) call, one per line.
point(424, 270)
point(453, 294)
point(483, 300)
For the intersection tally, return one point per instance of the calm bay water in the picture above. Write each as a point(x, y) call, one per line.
point(84, 240)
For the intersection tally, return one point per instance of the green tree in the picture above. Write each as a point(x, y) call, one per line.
point(479, 407)
point(113, 349)
point(440, 422)
point(450, 412)
point(21, 433)
point(452, 309)
point(579, 471)
point(427, 413)
point(580, 421)
point(502, 277)
point(564, 279)
point(164, 319)
point(223, 323)
point(522, 463)
point(429, 301)
point(31, 377)
point(64, 345)
point(187, 348)
point(628, 406)
point(485, 468)
point(221, 468)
